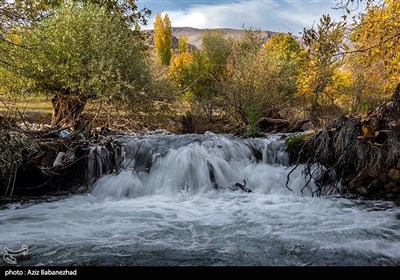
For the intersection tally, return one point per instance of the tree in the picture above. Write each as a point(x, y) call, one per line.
point(181, 64)
point(217, 48)
point(82, 53)
point(199, 74)
point(323, 44)
point(283, 51)
point(127, 10)
point(163, 38)
point(376, 40)
point(259, 80)
point(183, 44)
point(347, 4)
point(27, 11)
point(17, 15)
point(245, 84)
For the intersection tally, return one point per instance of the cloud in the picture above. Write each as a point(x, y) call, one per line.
point(284, 16)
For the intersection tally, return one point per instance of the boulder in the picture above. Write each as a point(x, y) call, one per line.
point(362, 191)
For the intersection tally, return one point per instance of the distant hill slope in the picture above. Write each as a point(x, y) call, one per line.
point(194, 34)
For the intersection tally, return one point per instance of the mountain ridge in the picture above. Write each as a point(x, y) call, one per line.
point(194, 34)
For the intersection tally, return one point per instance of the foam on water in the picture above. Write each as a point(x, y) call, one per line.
point(164, 209)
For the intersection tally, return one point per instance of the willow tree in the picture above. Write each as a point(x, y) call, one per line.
point(81, 53)
point(26, 11)
point(163, 38)
point(23, 13)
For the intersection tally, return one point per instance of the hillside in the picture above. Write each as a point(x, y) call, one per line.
point(194, 34)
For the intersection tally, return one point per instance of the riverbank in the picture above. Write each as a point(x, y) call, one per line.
point(364, 151)
point(40, 162)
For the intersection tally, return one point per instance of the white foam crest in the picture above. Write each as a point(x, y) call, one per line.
point(117, 186)
point(268, 229)
point(172, 164)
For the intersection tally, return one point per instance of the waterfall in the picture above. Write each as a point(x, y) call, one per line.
point(171, 164)
point(203, 200)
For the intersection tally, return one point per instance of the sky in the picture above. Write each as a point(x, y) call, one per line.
point(274, 15)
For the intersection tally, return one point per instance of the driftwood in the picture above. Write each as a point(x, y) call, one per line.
point(239, 186)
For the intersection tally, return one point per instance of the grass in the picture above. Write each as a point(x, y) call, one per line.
point(39, 109)
point(35, 109)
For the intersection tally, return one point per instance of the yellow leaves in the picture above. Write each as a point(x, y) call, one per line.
point(163, 38)
point(180, 67)
point(15, 38)
point(378, 62)
point(183, 45)
point(368, 131)
point(179, 61)
point(284, 45)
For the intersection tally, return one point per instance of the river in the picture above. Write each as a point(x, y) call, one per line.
point(174, 202)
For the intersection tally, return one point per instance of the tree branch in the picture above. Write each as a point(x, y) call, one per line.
point(370, 47)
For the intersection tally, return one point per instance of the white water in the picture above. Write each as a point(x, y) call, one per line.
point(163, 209)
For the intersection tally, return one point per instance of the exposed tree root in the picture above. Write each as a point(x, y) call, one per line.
point(364, 151)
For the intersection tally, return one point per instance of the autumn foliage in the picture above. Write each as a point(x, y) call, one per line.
point(334, 68)
point(163, 38)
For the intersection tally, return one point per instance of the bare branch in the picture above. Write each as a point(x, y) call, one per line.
point(370, 47)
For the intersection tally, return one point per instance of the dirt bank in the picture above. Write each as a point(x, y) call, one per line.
point(363, 150)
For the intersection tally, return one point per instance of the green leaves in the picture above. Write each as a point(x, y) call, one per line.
point(84, 51)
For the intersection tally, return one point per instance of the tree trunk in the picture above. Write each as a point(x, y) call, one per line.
point(314, 116)
point(66, 110)
point(395, 111)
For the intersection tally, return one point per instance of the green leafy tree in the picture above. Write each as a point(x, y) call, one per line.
point(261, 81)
point(82, 53)
point(163, 38)
point(26, 11)
point(217, 48)
point(17, 15)
point(199, 74)
point(209, 69)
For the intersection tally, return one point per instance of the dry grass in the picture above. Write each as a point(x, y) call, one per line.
point(36, 109)
point(39, 110)
point(102, 114)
